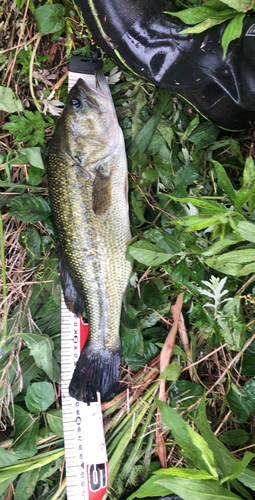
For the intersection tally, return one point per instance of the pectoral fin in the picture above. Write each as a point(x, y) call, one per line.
point(73, 299)
point(102, 193)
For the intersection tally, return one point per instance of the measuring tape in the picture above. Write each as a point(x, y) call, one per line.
point(85, 450)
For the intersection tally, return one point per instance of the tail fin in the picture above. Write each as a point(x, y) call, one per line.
point(96, 371)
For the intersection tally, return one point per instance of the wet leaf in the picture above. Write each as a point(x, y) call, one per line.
point(196, 15)
point(204, 135)
point(238, 404)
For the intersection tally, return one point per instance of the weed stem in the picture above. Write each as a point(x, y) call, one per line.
point(4, 275)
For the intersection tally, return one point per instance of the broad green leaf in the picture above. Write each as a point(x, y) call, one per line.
point(240, 466)
point(7, 458)
point(246, 230)
point(171, 372)
point(184, 393)
point(231, 32)
point(164, 240)
point(35, 175)
point(243, 197)
point(34, 156)
point(29, 208)
point(131, 341)
point(249, 172)
point(150, 489)
point(40, 395)
point(235, 437)
point(41, 347)
point(244, 493)
point(187, 438)
point(148, 254)
point(4, 486)
point(136, 361)
point(50, 18)
point(232, 262)
point(150, 175)
point(238, 404)
point(199, 223)
point(232, 324)
point(26, 429)
point(208, 207)
point(188, 473)
point(26, 485)
point(218, 247)
point(205, 134)
point(224, 181)
point(205, 25)
point(166, 131)
point(143, 138)
point(54, 419)
point(138, 208)
point(189, 489)
point(31, 240)
point(196, 15)
point(240, 5)
point(249, 393)
point(187, 175)
point(249, 181)
point(9, 102)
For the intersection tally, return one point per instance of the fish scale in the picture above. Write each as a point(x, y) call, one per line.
point(93, 230)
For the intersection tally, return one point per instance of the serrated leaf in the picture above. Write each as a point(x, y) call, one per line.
point(148, 254)
point(29, 208)
point(9, 102)
point(54, 419)
point(41, 347)
point(50, 18)
point(40, 395)
point(232, 31)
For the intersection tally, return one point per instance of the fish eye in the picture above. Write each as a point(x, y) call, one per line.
point(76, 103)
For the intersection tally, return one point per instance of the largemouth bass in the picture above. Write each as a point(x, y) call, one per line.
point(87, 175)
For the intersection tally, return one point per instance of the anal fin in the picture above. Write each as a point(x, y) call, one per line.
point(73, 298)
